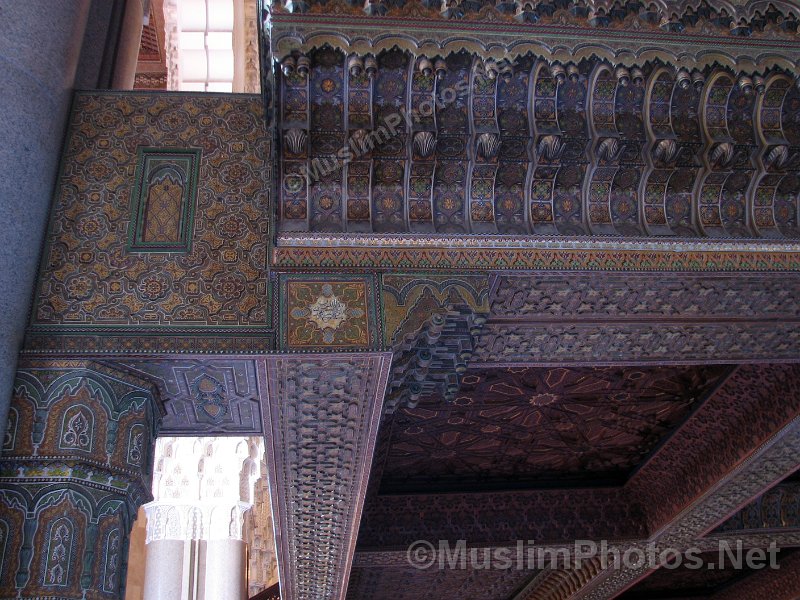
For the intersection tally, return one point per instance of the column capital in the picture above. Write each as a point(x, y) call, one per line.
point(195, 521)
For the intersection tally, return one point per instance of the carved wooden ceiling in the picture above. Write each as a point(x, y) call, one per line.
point(540, 427)
point(661, 501)
point(459, 144)
point(683, 582)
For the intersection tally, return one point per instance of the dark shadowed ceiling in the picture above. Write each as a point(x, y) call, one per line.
point(530, 427)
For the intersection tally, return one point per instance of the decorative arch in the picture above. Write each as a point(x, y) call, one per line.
point(58, 561)
point(164, 199)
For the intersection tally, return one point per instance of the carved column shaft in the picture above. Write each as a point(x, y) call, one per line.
point(76, 466)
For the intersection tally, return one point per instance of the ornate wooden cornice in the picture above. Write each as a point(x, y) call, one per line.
point(739, 21)
point(460, 144)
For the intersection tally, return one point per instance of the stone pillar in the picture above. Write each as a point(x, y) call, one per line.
point(40, 43)
point(195, 551)
point(128, 49)
point(195, 545)
point(75, 467)
point(164, 571)
point(225, 570)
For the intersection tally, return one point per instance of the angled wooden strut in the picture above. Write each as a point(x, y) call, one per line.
point(321, 415)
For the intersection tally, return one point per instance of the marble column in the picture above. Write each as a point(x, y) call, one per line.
point(164, 575)
point(195, 551)
point(40, 43)
point(225, 570)
point(75, 467)
point(196, 547)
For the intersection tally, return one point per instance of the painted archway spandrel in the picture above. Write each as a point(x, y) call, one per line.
point(409, 300)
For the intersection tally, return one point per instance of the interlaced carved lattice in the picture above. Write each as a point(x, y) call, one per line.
point(323, 414)
point(162, 213)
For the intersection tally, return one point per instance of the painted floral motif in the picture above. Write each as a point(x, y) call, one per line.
point(112, 562)
point(232, 227)
point(77, 432)
point(210, 400)
point(229, 286)
point(135, 445)
point(328, 314)
point(58, 554)
point(154, 286)
point(79, 287)
point(90, 227)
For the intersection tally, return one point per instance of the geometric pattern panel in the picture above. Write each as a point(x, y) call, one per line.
point(163, 199)
point(616, 296)
point(328, 312)
point(557, 319)
point(603, 343)
point(89, 277)
point(540, 427)
point(321, 416)
point(203, 396)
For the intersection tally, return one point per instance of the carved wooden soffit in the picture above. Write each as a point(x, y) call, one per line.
point(386, 142)
point(321, 413)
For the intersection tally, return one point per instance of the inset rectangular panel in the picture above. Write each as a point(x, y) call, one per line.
point(163, 199)
point(328, 312)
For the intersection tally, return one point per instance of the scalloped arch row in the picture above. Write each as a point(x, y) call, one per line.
point(739, 20)
point(453, 143)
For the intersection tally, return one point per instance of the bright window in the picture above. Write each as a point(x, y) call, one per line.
point(206, 45)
